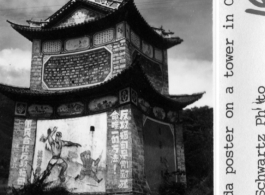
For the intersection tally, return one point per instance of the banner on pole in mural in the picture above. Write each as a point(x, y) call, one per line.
point(72, 152)
point(240, 73)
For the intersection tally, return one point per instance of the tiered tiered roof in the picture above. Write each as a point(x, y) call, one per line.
point(126, 11)
point(111, 13)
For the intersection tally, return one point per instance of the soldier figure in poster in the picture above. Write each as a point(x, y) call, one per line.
point(120, 67)
point(56, 148)
point(89, 166)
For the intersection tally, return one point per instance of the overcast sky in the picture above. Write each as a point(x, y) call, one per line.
point(190, 63)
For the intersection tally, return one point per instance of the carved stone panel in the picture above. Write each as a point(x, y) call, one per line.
point(102, 103)
point(36, 110)
point(36, 47)
point(71, 109)
point(52, 46)
point(124, 95)
point(77, 44)
point(103, 37)
point(21, 109)
point(134, 97)
point(120, 31)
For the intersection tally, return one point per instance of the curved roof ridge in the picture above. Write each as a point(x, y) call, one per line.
point(187, 98)
point(150, 27)
point(184, 95)
point(143, 19)
point(20, 25)
point(14, 25)
point(69, 4)
point(126, 12)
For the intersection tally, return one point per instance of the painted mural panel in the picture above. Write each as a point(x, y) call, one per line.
point(119, 150)
point(52, 46)
point(120, 31)
point(76, 44)
point(22, 151)
point(103, 37)
point(72, 152)
point(102, 103)
point(71, 109)
point(36, 110)
point(36, 47)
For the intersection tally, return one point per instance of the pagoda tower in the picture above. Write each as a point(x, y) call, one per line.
point(97, 117)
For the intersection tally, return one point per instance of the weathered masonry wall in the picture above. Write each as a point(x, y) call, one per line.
point(79, 62)
point(73, 70)
point(140, 141)
point(138, 167)
point(65, 64)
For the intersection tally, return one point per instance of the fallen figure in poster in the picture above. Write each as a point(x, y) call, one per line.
point(89, 166)
point(56, 149)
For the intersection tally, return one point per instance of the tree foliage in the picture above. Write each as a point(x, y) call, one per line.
point(6, 132)
point(198, 141)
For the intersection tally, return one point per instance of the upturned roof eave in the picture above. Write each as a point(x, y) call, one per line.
point(122, 14)
point(125, 79)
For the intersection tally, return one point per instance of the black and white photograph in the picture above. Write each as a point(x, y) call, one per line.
point(110, 97)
